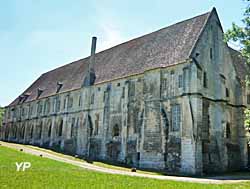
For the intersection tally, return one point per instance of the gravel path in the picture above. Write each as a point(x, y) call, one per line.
point(212, 180)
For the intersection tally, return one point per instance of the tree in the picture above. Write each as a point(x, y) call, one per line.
point(1, 115)
point(241, 35)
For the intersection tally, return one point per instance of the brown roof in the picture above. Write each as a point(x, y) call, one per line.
point(165, 47)
point(241, 67)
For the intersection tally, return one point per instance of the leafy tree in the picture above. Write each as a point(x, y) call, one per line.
point(241, 35)
point(1, 115)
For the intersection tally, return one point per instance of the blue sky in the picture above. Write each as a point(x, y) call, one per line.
point(39, 35)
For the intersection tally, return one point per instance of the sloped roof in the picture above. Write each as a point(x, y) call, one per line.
point(165, 47)
point(242, 69)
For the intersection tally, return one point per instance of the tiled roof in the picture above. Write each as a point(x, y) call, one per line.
point(242, 69)
point(165, 47)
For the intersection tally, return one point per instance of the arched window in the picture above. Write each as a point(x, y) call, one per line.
point(49, 131)
point(228, 130)
point(31, 132)
point(23, 131)
point(90, 125)
point(60, 128)
point(116, 131)
point(40, 130)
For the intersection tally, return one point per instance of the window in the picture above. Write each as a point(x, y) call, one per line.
point(58, 103)
point(70, 102)
point(59, 86)
point(40, 131)
point(72, 127)
point(164, 83)
point(23, 111)
point(227, 92)
point(49, 132)
point(31, 132)
point(228, 130)
point(92, 98)
point(132, 88)
point(39, 92)
point(80, 101)
point(248, 99)
point(105, 95)
point(96, 124)
point(176, 117)
point(211, 53)
point(205, 79)
point(39, 108)
point(116, 131)
point(180, 81)
point(64, 102)
point(60, 128)
point(31, 110)
point(138, 156)
point(46, 109)
point(123, 92)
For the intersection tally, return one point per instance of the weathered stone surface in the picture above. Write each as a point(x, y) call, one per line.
point(186, 118)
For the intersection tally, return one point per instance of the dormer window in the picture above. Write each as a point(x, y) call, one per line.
point(26, 95)
point(39, 92)
point(20, 99)
point(59, 86)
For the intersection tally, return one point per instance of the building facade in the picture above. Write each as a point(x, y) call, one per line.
point(171, 100)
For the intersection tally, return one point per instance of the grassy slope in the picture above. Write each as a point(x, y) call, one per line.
point(97, 163)
point(46, 173)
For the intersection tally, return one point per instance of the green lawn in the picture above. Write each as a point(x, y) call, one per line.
point(46, 173)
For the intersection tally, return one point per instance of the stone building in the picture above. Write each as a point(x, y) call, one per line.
point(170, 100)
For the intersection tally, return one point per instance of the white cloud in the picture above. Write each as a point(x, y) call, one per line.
point(110, 36)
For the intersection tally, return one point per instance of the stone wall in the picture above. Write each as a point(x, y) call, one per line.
point(183, 119)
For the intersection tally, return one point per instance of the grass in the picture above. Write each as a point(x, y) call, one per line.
point(47, 173)
point(97, 163)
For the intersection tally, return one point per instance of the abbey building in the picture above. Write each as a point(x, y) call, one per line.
point(171, 100)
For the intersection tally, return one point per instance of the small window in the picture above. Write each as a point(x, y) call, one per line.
point(59, 86)
point(92, 98)
point(228, 130)
point(39, 92)
point(72, 127)
point(118, 84)
point(60, 128)
point(123, 92)
point(180, 81)
point(138, 156)
point(49, 132)
point(211, 53)
point(116, 131)
point(248, 99)
point(227, 92)
point(176, 117)
point(70, 102)
point(205, 79)
point(80, 101)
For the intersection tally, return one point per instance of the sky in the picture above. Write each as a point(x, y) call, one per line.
point(39, 35)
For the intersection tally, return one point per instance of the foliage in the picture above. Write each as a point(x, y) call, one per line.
point(46, 173)
point(1, 115)
point(247, 121)
point(241, 35)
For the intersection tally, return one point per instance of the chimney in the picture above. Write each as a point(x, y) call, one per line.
point(93, 46)
point(90, 77)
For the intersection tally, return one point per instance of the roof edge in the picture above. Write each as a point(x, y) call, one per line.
point(202, 30)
